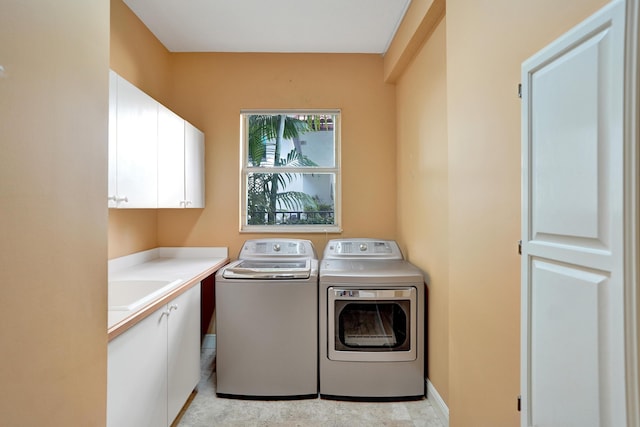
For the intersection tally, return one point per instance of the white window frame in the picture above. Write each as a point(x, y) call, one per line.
point(246, 169)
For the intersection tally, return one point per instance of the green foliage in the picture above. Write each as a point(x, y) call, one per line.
point(265, 128)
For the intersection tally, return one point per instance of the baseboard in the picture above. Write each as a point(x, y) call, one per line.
point(209, 341)
point(438, 404)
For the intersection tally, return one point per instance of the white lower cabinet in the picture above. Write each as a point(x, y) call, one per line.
point(183, 371)
point(154, 366)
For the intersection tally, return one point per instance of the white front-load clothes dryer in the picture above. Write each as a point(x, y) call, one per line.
point(372, 327)
point(267, 321)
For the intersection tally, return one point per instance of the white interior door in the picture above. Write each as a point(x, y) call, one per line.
point(573, 340)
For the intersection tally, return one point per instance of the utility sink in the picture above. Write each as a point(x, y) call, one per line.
point(126, 295)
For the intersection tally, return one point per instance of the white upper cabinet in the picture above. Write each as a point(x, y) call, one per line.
point(194, 167)
point(136, 148)
point(180, 162)
point(156, 158)
point(170, 159)
point(113, 97)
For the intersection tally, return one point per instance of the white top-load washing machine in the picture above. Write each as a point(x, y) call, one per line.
point(267, 321)
point(372, 322)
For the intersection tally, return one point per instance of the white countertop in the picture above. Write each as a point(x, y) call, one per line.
point(191, 265)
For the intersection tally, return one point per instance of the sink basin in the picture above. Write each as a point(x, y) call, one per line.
point(126, 295)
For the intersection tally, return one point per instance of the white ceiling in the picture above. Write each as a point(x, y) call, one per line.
point(321, 26)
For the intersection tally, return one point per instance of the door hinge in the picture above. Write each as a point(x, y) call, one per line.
point(519, 403)
point(519, 90)
point(519, 247)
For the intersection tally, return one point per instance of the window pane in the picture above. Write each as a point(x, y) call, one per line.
point(290, 198)
point(290, 140)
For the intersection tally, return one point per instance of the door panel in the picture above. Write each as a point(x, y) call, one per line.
point(573, 232)
point(566, 305)
point(565, 132)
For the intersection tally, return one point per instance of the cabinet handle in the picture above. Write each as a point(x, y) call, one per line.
point(168, 312)
point(118, 199)
point(185, 203)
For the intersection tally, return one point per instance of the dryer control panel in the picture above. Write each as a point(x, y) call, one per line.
point(362, 249)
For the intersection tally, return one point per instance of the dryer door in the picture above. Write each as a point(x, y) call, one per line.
point(373, 325)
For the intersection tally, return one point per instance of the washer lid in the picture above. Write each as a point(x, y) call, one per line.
point(270, 269)
point(362, 249)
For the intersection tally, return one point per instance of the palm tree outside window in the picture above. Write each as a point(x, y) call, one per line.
point(290, 171)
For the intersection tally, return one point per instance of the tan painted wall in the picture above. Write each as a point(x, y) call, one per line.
point(210, 91)
point(53, 220)
point(423, 190)
point(419, 21)
point(137, 55)
point(486, 43)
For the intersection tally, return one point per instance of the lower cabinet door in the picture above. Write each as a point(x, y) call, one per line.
point(183, 349)
point(136, 375)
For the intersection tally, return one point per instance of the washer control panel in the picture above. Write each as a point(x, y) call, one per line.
point(259, 248)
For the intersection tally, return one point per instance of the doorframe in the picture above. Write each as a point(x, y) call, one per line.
point(632, 209)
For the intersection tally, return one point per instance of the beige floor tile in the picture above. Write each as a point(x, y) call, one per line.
point(208, 410)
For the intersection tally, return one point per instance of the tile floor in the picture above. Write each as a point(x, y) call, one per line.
point(207, 410)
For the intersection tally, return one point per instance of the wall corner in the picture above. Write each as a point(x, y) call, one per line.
point(421, 19)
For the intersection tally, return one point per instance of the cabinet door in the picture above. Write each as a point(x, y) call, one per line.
point(136, 154)
point(113, 90)
point(194, 166)
point(137, 375)
point(170, 159)
point(184, 349)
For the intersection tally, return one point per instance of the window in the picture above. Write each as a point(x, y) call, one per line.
point(290, 178)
